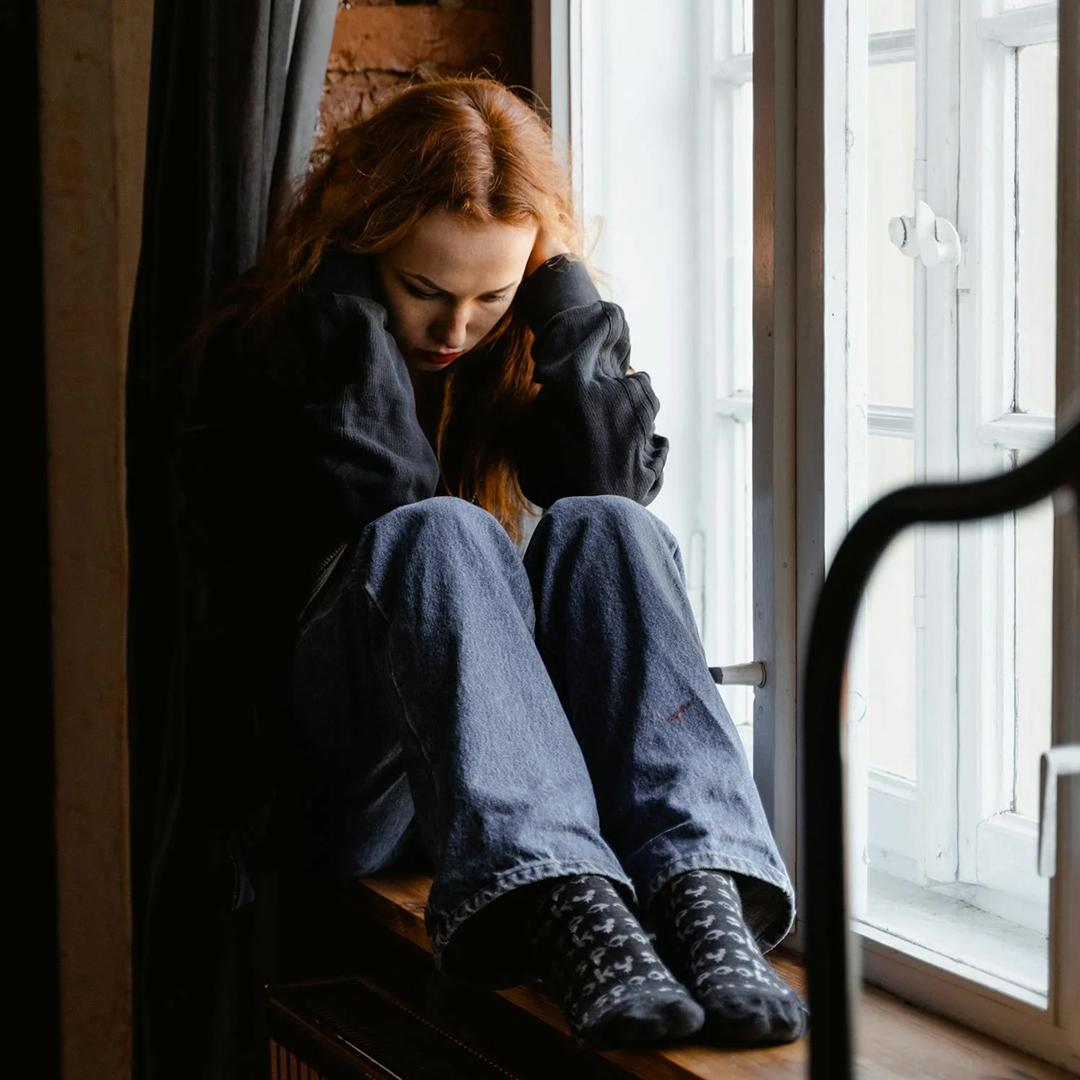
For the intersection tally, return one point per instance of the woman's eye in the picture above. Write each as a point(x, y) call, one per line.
point(421, 294)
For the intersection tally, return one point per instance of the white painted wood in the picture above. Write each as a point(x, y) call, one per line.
point(738, 406)
point(935, 396)
point(726, 156)
point(1017, 431)
point(891, 47)
point(985, 374)
point(943, 920)
point(896, 421)
point(844, 433)
point(895, 841)
point(714, 456)
point(1014, 28)
point(1007, 858)
point(735, 70)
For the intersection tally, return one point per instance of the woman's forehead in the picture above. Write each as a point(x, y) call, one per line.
point(463, 255)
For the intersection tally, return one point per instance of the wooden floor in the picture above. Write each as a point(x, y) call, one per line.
point(894, 1039)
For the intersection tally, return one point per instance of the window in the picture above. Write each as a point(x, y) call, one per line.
point(922, 370)
point(955, 671)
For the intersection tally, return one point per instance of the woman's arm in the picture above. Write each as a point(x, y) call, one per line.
point(310, 430)
point(591, 429)
point(364, 432)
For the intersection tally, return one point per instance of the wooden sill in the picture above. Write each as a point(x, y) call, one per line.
point(895, 1039)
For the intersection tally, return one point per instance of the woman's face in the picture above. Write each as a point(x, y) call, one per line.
point(448, 283)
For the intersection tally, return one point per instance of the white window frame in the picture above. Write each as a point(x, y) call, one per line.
point(954, 828)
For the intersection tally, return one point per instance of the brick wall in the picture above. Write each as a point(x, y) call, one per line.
point(381, 44)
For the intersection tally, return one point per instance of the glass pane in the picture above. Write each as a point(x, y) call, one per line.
point(1034, 644)
point(890, 15)
point(1037, 180)
point(891, 638)
point(890, 277)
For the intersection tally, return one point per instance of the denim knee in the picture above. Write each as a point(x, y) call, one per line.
point(439, 516)
point(431, 530)
point(618, 514)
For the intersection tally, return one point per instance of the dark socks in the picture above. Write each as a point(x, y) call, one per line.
point(703, 936)
point(598, 962)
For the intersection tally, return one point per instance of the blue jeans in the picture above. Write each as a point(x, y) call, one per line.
point(529, 717)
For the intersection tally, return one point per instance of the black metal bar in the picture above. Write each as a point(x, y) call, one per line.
point(832, 984)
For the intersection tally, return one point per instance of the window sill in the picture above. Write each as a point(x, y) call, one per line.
point(969, 941)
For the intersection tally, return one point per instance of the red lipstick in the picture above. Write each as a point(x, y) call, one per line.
point(438, 358)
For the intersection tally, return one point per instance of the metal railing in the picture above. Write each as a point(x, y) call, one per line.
point(833, 982)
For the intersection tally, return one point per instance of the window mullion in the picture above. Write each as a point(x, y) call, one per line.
point(987, 389)
point(935, 397)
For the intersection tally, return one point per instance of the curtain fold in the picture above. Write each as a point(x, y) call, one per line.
point(234, 95)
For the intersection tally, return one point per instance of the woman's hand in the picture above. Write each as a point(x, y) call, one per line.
point(546, 246)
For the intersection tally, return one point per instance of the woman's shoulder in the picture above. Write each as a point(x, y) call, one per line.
point(342, 273)
point(293, 350)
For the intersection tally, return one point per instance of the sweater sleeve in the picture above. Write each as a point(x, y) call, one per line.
point(591, 428)
point(363, 428)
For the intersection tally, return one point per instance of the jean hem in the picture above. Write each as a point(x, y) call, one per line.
point(442, 926)
point(778, 925)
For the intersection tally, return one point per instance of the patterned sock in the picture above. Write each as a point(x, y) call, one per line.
point(703, 936)
point(597, 961)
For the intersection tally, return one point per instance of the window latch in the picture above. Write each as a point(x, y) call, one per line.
point(751, 674)
point(927, 237)
point(1058, 761)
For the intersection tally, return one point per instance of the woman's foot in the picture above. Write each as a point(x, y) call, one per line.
point(702, 934)
point(598, 962)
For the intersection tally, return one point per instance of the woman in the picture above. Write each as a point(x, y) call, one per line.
point(419, 355)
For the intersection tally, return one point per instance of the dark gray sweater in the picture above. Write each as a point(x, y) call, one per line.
point(295, 445)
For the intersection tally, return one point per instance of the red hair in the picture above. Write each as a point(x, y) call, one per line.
point(468, 145)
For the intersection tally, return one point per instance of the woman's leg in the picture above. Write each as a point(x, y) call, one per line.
point(417, 686)
point(677, 802)
point(616, 631)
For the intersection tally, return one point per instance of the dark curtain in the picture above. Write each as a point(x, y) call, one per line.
point(234, 94)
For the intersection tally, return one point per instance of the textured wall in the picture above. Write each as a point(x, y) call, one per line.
point(94, 58)
point(382, 44)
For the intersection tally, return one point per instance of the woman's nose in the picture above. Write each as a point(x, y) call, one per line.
point(452, 331)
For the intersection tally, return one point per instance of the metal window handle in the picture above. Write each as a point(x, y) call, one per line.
point(751, 674)
point(1058, 761)
point(927, 237)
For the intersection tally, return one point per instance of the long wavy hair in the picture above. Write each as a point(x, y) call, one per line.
point(468, 145)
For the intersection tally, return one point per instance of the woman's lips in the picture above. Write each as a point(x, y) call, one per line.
point(438, 358)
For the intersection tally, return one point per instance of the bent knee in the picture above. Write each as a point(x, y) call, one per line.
point(440, 512)
point(617, 509)
point(618, 514)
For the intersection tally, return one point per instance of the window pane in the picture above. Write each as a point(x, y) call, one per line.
point(890, 280)
point(1034, 641)
point(1037, 180)
point(890, 15)
point(889, 610)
